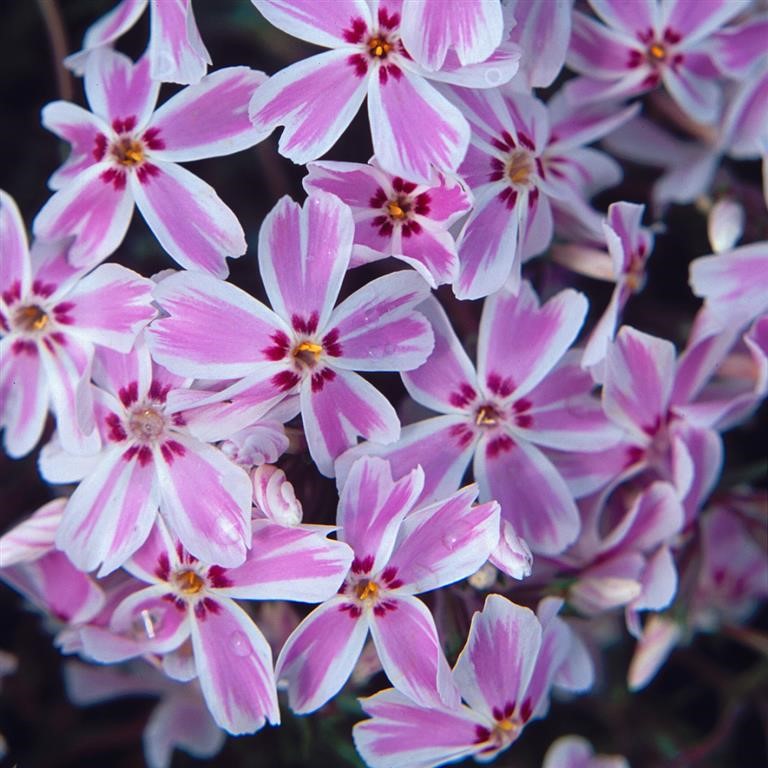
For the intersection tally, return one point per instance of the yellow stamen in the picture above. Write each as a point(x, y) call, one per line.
point(506, 725)
point(379, 47)
point(486, 416)
point(657, 52)
point(189, 582)
point(367, 589)
point(129, 152)
point(31, 318)
point(395, 211)
point(519, 167)
point(307, 346)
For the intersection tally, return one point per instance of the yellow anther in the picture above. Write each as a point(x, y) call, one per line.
point(379, 47)
point(189, 582)
point(395, 211)
point(128, 152)
point(506, 725)
point(486, 416)
point(657, 52)
point(307, 346)
point(31, 318)
point(367, 589)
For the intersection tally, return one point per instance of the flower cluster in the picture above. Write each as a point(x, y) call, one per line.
point(484, 510)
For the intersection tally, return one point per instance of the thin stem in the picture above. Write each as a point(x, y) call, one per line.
point(57, 36)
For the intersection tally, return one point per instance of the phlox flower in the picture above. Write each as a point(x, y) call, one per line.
point(125, 152)
point(526, 394)
point(413, 127)
point(576, 752)
point(176, 51)
point(180, 720)
point(52, 317)
point(400, 551)
point(305, 346)
point(526, 163)
point(193, 600)
point(505, 672)
point(396, 217)
point(151, 462)
point(643, 44)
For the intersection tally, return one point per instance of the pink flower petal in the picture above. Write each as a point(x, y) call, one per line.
point(110, 306)
point(214, 329)
point(697, 95)
point(78, 127)
point(188, 218)
point(696, 22)
point(289, 563)
point(115, 23)
point(431, 251)
point(208, 119)
point(398, 108)
point(518, 361)
point(340, 408)
point(660, 636)
point(599, 51)
point(323, 25)
point(303, 257)
point(472, 29)
point(417, 668)
point(532, 494)
point(117, 88)
point(234, 667)
point(176, 52)
point(315, 99)
point(33, 537)
point(110, 513)
point(628, 18)
point(206, 499)
point(497, 662)
point(318, 657)
point(378, 329)
point(372, 507)
point(445, 542)
point(92, 208)
point(402, 734)
point(14, 250)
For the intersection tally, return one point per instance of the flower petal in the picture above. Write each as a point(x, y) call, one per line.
point(318, 657)
point(208, 119)
point(399, 107)
point(315, 99)
point(234, 667)
point(188, 218)
point(14, 249)
point(303, 257)
point(176, 52)
point(288, 563)
point(33, 537)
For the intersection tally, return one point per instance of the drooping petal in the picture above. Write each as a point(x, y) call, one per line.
point(318, 657)
point(445, 542)
point(533, 495)
point(323, 25)
point(402, 734)
point(639, 376)
point(110, 306)
point(315, 99)
point(521, 341)
point(473, 29)
point(338, 408)
point(208, 119)
point(399, 107)
point(33, 537)
point(214, 329)
point(378, 328)
point(188, 218)
point(206, 499)
point(234, 667)
point(114, 24)
point(95, 207)
point(119, 89)
point(288, 563)
point(442, 446)
point(372, 507)
point(418, 668)
point(303, 256)
point(660, 636)
point(14, 249)
point(447, 382)
point(24, 396)
point(78, 127)
point(176, 52)
point(496, 664)
point(110, 513)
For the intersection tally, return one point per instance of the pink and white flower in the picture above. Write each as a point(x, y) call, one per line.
point(126, 153)
point(400, 551)
point(150, 463)
point(643, 44)
point(414, 128)
point(525, 395)
point(511, 660)
point(176, 51)
point(576, 752)
point(190, 599)
point(395, 217)
point(305, 346)
point(52, 317)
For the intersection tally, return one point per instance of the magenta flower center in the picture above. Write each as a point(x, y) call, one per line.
point(146, 423)
point(31, 318)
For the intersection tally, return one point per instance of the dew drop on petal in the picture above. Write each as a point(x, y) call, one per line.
point(450, 540)
point(239, 644)
point(228, 531)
